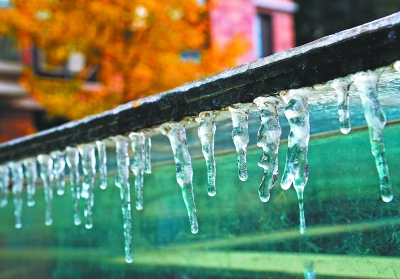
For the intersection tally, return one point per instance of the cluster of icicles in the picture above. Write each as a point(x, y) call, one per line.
point(52, 166)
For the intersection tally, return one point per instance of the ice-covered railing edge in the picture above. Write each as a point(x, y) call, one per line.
point(372, 45)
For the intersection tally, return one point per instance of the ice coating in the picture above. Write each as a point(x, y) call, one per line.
point(137, 166)
point(184, 172)
point(122, 181)
point(31, 177)
point(268, 139)
point(4, 183)
point(240, 135)
point(206, 133)
point(46, 173)
point(59, 170)
point(147, 151)
point(17, 173)
point(102, 162)
point(296, 168)
point(72, 159)
point(342, 91)
point(367, 88)
point(88, 161)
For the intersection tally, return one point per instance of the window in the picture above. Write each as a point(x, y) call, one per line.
point(8, 52)
point(266, 38)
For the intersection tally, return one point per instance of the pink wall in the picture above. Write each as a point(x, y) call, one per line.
point(231, 17)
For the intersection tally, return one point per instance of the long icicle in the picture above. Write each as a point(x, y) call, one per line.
point(31, 177)
point(376, 120)
point(184, 172)
point(102, 156)
point(206, 133)
point(296, 169)
point(240, 136)
point(342, 92)
point(59, 171)
point(122, 181)
point(4, 183)
point(89, 171)
point(137, 166)
point(17, 173)
point(268, 139)
point(46, 173)
point(72, 159)
point(147, 151)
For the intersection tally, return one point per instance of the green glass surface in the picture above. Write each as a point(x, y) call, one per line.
point(351, 232)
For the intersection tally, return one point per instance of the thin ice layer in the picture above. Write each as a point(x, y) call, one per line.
point(268, 139)
point(342, 91)
point(240, 136)
point(147, 151)
point(296, 168)
point(72, 159)
point(4, 183)
point(183, 165)
point(137, 166)
point(88, 161)
point(376, 120)
point(31, 177)
point(122, 181)
point(59, 170)
point(206, 133)
point(102, 162)
point(17, 173)
point(46, 173)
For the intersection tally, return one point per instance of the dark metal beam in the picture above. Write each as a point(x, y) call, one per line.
point(361, 48)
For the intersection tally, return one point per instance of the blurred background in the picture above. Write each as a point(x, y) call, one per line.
point(63, 60)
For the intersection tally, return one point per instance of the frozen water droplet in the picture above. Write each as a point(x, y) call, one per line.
point(122, 181)
point(59, 170)
point(342, 91)
point(88, 161)
point(240, 135)
point(102, 155)
point(206, 133)
point(46, 173)
point(17, 173)
point(184, 172)
point(296, 168)
point(147, 151)
point(376, 120)
point(4, 183)
point(268, 139)
point(31, 177)
point(137, 166)
point(72, 159)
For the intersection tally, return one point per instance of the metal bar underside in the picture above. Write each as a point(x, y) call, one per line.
point(362, 48)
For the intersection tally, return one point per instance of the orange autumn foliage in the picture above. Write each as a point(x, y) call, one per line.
point(136, 43)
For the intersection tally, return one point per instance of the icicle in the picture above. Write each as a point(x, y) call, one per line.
point(122, 181)
point(89, 170)
point(342, 91)
point(31, 177)
point(147, 151)
point(206, 134)
point(46, 173)
point(102, 155)
point(396, 65)
point(183, 165)
point(240, 135)
point(72, 159)
point(268, 139)
point(4, 183)
point(309, 270)
point(59, 170)
point(376, 120)
point(17, 173)
point(296, 169)
point(137, 166)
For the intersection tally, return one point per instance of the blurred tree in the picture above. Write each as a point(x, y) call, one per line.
point(137, 44)
point(316, 18)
